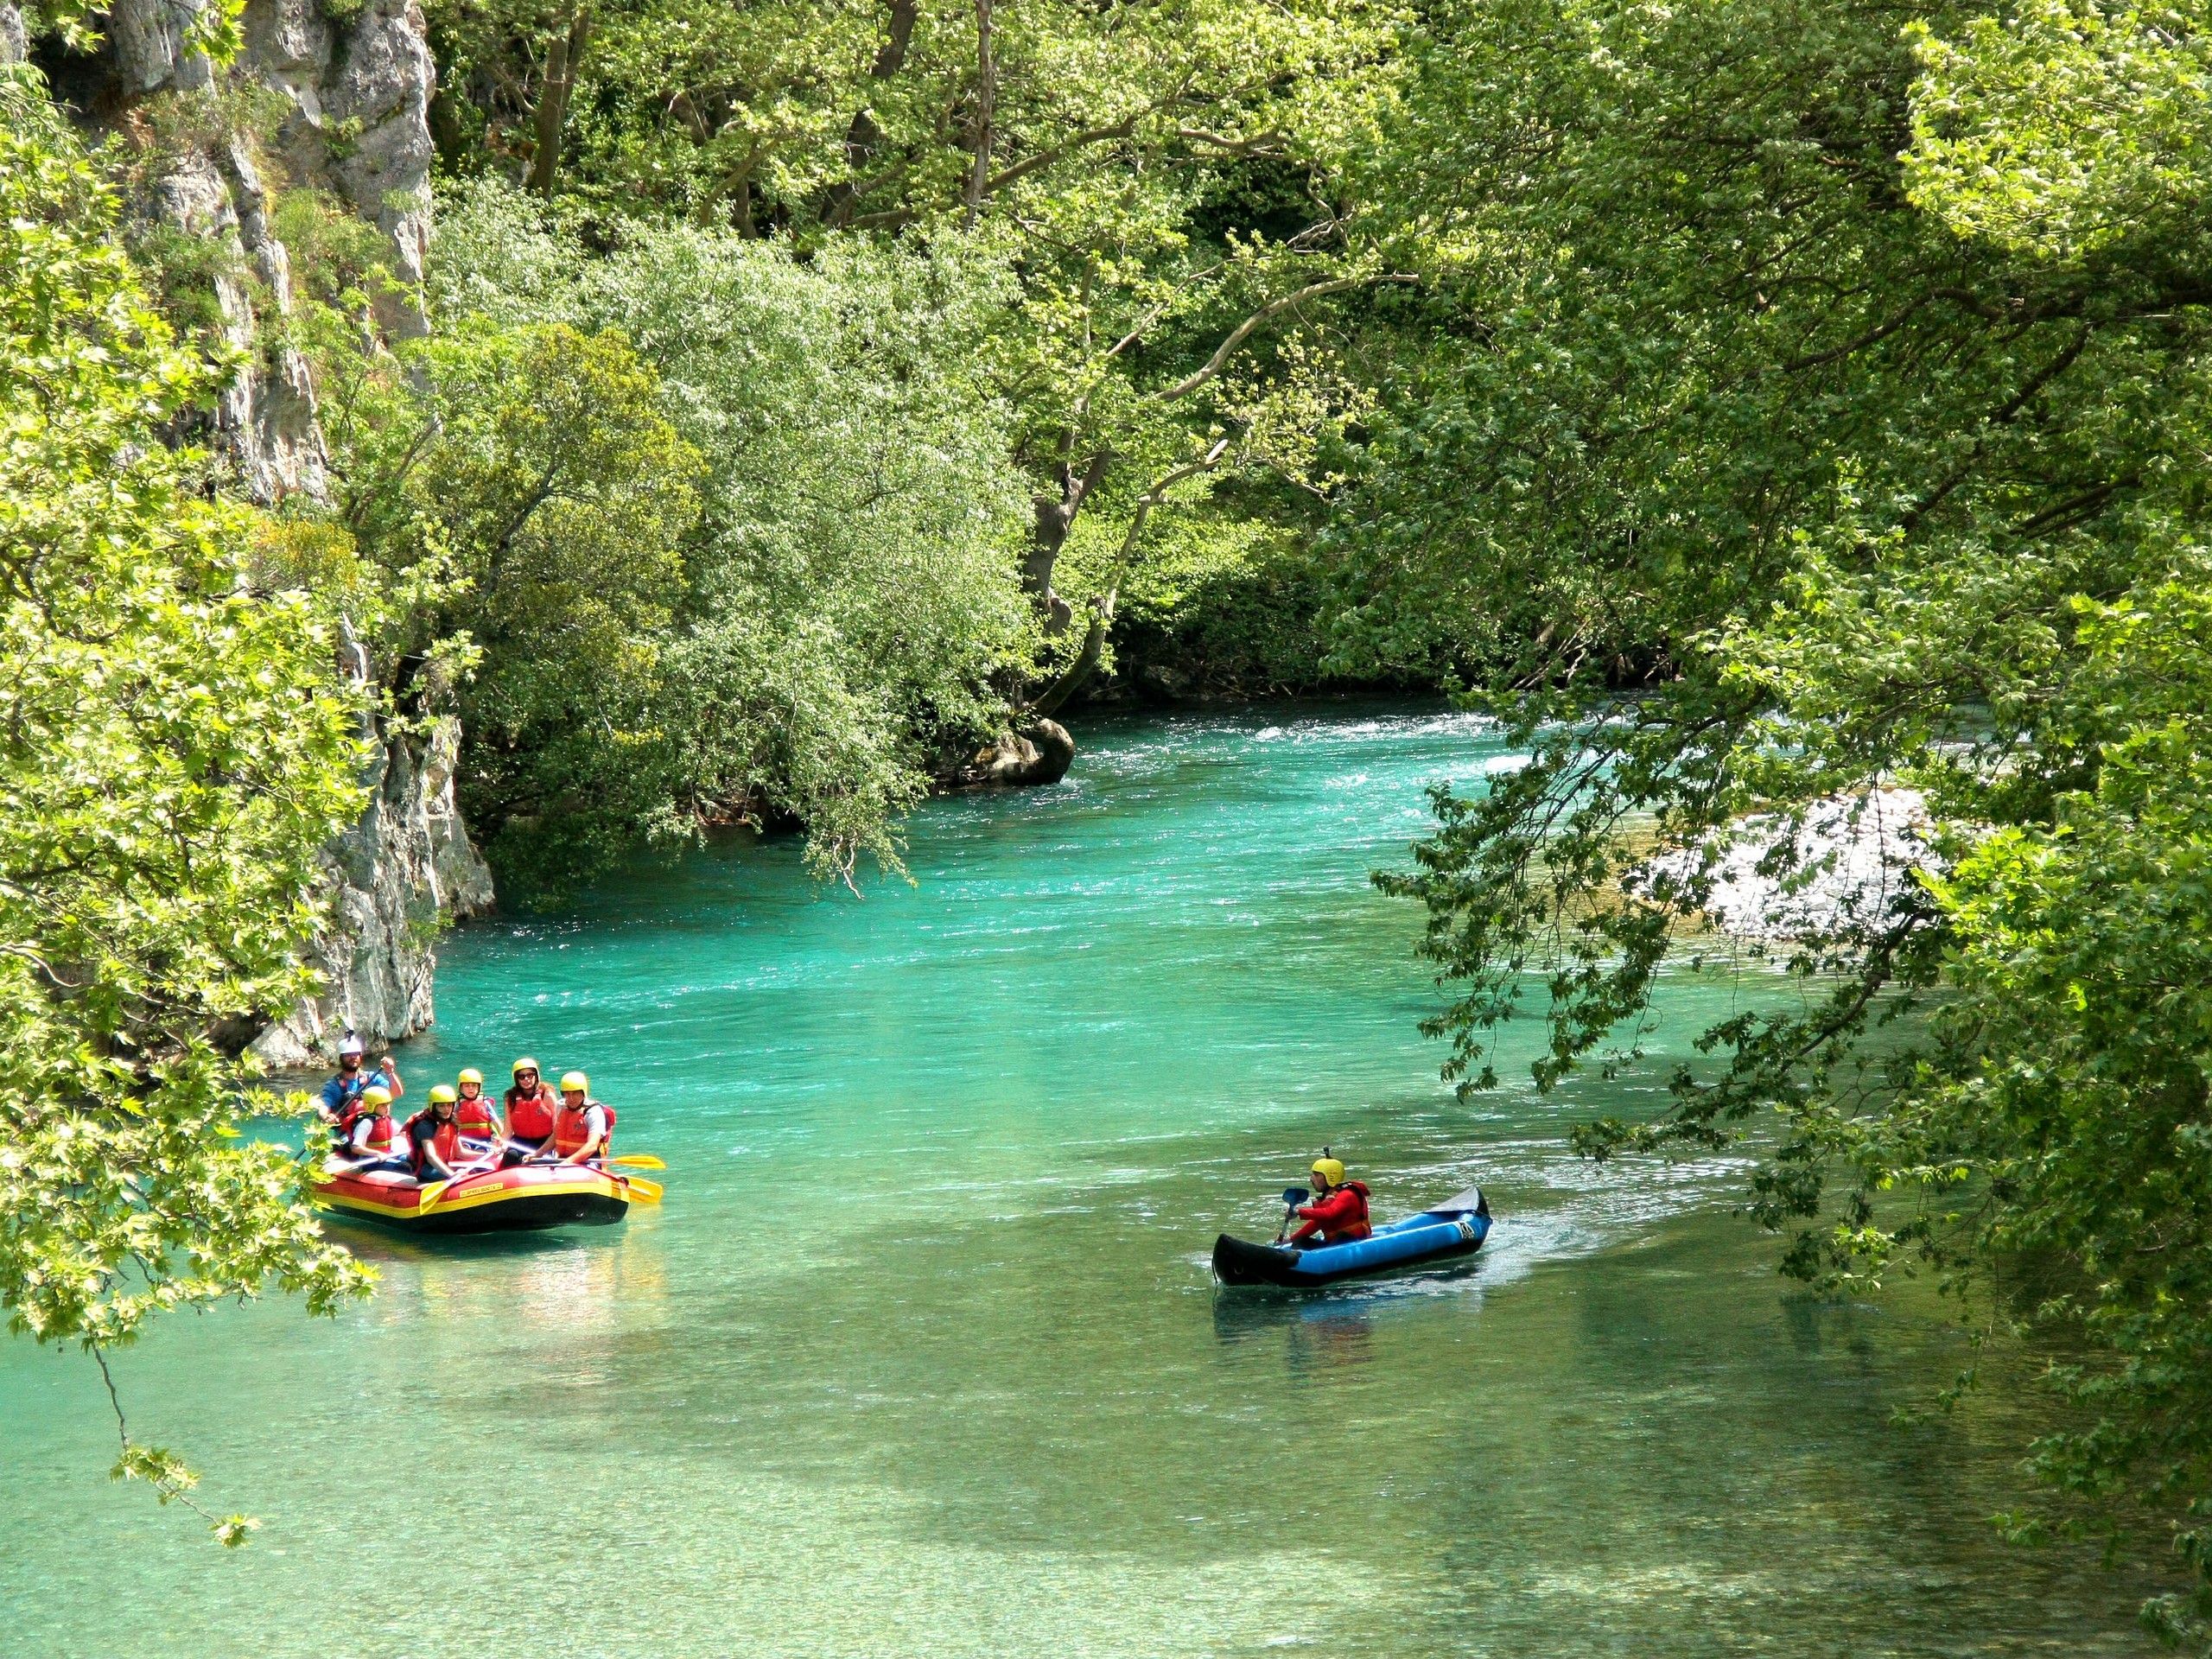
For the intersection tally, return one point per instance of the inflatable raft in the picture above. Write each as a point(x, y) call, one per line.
point(495, 1200)
point(1456, 1227)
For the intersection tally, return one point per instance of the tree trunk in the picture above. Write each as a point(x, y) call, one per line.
point(863, 134)
point(551, 115)
point(987, 76)
point(1076, 674)
point(892, 55)
point(1056, 517)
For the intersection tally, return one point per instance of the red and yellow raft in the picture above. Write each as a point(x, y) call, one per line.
point(494, 1200)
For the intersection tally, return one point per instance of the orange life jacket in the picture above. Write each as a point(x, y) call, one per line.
point(476, 1116)
point(530, 1117)
point(572, 1129)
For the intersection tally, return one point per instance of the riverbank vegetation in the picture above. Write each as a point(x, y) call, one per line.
point(1829, 418)
point(1759, 409)
point(177, 754)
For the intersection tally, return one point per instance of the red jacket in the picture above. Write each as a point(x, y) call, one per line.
point(529, 1117)
point(1340, 1218)
point(446, 1137)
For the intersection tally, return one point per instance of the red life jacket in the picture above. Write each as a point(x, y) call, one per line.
point(1341, 1216)
point(530, 1117)
point(380, 1129)
point(446, 1137)
point(572, 1130)
point(1356, 1227)
point(476, 1116)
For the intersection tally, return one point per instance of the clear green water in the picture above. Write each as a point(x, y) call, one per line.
point(921, 1355)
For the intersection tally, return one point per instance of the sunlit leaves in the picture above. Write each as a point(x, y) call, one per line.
point(175, 753)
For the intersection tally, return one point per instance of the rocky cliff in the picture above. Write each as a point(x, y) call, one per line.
point(355, 81)
point(396, 878)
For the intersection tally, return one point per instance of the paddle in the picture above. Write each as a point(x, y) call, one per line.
point(636, 1160)
point(436, 1189)
point(1292, 1198)
point(640, 1190)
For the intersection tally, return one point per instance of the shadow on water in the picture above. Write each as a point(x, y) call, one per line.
point(1331, 1326)
point(375, 1243)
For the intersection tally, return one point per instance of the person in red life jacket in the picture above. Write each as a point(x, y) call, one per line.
point(583, 1127)
point(1338, 1213)
point(369, 1136)
point(433, 1138)
point(531, 1105)
point(341, 1096)
point(476, 1114)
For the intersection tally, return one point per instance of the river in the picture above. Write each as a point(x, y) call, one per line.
point(921, 1355)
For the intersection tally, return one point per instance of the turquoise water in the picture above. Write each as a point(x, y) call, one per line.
point(921, 1355)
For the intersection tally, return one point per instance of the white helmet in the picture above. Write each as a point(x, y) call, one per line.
point(348, 1044)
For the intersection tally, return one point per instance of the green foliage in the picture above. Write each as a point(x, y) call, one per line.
point(806, 115)
point(1752, 470)
point(750, 559)
point(176, 753)
point(2064, 128)
point(525, 502)
point(211, 29)
point(1150, 178)
point(1228, 603)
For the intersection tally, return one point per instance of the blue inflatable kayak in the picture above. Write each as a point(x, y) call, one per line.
point(1456, 1227)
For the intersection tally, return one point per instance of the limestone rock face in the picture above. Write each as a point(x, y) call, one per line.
point(357, 125)
point(396, 877)
point(265, 418)
point(360, 121)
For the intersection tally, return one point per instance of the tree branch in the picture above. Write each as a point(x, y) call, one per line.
point(1268, 313)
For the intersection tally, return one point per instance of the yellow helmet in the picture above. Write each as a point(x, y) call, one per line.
point(470, 1074)
point(378, 1095)
point(1331, 1170)
point(523, 1065)
point(576, 1081)
point(442, 1093)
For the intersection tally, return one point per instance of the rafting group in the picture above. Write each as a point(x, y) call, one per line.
point(530, 1124)
point(537, 1158)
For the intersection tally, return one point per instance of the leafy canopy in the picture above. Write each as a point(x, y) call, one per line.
point(175, 753)
point(1766, 474)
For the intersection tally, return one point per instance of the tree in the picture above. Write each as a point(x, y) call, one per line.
point(520, 503)
point(1149, 176)
point(174, 751)
point(1765, 471)
point(847, 595)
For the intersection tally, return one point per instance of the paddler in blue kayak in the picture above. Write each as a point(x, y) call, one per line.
point(1338, 1211)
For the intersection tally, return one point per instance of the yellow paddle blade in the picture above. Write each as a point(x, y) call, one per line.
point(431, 1194)
point(638, 1190)
point(636, 1160)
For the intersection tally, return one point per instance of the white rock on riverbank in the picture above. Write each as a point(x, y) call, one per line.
point(1855, 856)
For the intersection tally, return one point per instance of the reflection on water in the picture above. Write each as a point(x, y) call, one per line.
point(921, 1357)
point(1317, 1333)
